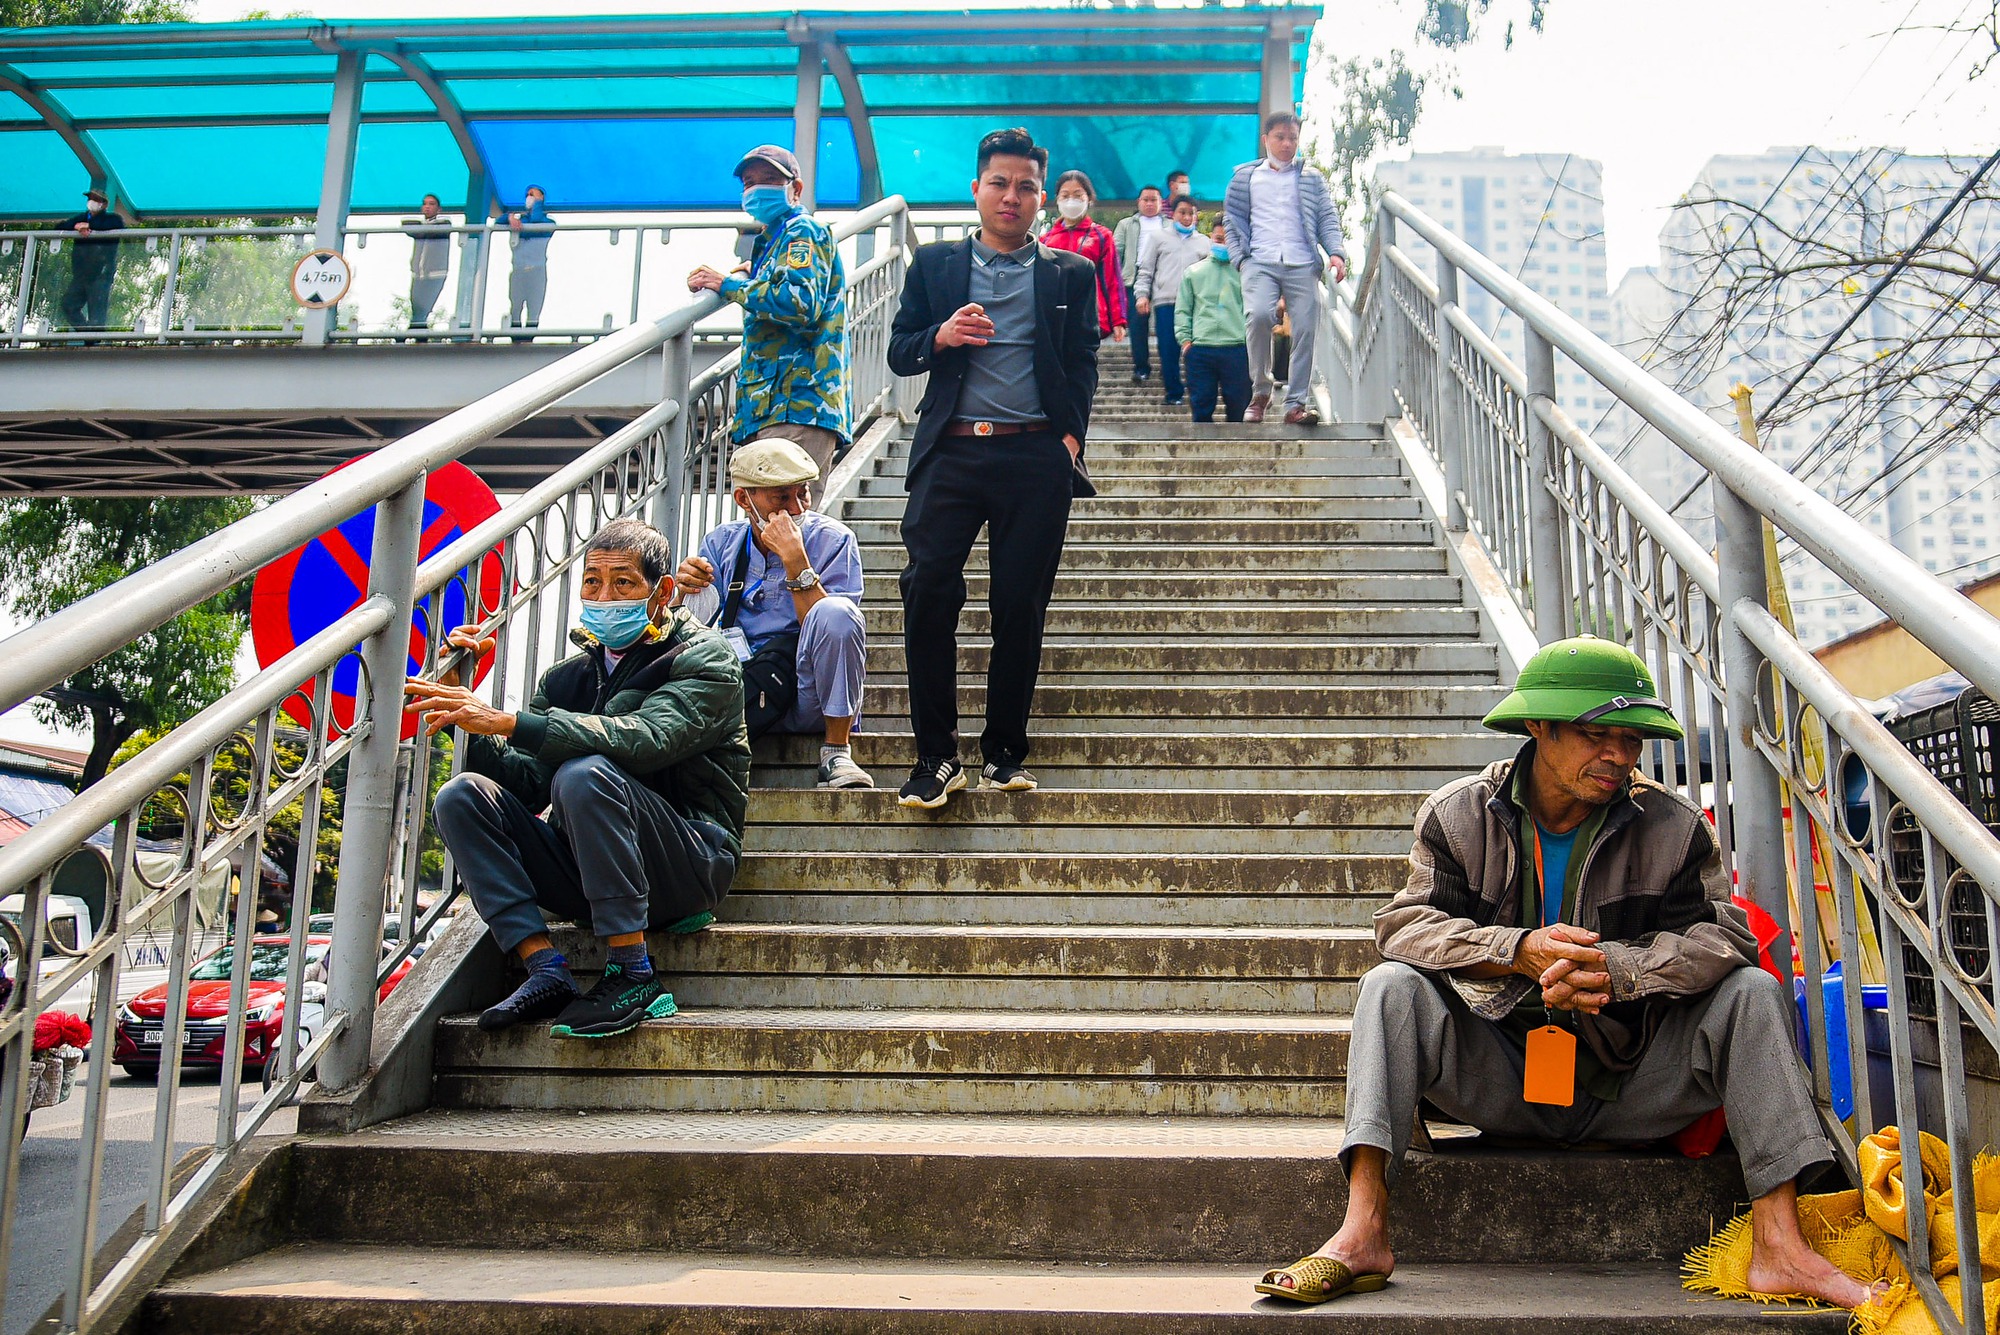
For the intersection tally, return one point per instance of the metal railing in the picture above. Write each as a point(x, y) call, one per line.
point(226, 778)
point(231, 285)
point(1798, 773)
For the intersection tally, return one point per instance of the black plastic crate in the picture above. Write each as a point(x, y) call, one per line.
point(1959, 743)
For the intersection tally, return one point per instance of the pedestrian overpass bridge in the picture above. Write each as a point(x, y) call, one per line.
point(1074, 1059)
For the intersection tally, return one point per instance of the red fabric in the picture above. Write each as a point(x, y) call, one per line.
point(1699, 1138)
point(1095, 243)
point(58, 1029)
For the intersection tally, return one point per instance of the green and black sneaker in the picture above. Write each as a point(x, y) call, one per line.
point(617, 1005)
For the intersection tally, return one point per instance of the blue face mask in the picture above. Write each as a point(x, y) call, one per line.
point(1185, 229)
point(768, 204)
point(1221, 253)
point(616, 625)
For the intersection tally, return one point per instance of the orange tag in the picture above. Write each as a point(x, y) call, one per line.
point(1551, 1073)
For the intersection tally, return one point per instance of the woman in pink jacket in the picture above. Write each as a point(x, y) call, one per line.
point(1075, 231)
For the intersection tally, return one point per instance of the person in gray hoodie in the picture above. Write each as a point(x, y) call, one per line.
point(1158, 282)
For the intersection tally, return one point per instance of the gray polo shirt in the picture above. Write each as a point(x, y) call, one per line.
point(999, 384)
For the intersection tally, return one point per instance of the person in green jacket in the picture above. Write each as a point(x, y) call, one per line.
point(637, 749)
point(1208, 324)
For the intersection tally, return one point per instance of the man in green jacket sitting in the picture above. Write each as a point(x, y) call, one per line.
point(637, 749)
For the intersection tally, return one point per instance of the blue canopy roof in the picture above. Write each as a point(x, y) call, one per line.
point(618, 113)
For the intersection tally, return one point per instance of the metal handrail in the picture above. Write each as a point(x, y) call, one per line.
point(1783, 755)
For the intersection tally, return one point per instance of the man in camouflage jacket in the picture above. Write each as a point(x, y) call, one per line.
point(793, 380)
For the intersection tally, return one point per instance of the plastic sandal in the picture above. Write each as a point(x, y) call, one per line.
point(1318, 1278)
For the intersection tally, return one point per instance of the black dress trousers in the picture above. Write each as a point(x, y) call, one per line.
point(1018, 487)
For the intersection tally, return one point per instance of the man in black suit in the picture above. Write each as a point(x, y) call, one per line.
point(1006, 328)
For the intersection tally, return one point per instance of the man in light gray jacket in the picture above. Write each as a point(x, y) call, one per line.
point(1280, 216)
point(1131, 237)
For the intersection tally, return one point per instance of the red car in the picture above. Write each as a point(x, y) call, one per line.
point(142, 1022)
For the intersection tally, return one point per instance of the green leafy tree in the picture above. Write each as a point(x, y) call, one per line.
point(65, 13)
point(1378, 101)
point(56, 550)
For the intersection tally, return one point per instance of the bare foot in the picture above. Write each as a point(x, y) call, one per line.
point(1804, 1273)
point(1361, 1256)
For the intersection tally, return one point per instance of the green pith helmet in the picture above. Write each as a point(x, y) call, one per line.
point(1586, 680)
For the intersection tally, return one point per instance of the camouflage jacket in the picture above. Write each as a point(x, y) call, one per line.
point(794, 330)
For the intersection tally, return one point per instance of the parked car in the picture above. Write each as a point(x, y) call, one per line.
point(142, 1020)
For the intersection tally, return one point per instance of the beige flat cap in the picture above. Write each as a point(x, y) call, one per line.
point(771, 462)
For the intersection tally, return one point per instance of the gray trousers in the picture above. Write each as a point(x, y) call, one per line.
point(817, 441)
point(1298, 284)
point(1414, 1038)
point(527, 288)
point(614, 857)
point(832, 665)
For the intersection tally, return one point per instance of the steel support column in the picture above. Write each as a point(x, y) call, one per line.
point(1275, 85)
point(858, 119)
point(805, 117)
point(336, 183)
point(1549, 593)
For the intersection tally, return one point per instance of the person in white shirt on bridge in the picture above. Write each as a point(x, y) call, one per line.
point(783, 584)
point(1280, 216)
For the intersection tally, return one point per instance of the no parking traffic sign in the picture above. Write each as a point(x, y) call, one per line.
point(303, 592)
point(321, 279)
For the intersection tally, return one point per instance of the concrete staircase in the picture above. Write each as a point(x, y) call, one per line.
point(1048, 1062)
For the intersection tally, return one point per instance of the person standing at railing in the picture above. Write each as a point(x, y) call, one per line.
point(783, 584)
point(1007, 332)
point(93, 263)
point(636, 748)
point(1566, 964)
point(1131, 237)
point(528, 285)
point(1208, 322)
point(1159, 285)
point(1076, 232)
point(792, 382)
point(430, 260)
point(1281, 216)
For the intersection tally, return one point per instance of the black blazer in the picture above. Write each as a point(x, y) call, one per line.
point(939, 282)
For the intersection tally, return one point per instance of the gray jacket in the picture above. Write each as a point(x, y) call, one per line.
point(1322, 218)
point(1128, 236)
point(1167, 262)
point(1650, 881)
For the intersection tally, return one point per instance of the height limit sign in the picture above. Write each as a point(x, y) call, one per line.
point(321, 280)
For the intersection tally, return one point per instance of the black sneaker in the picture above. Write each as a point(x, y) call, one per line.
point(617, 1005)
point(542, 996)
point(1007, 777)
point(932, 779)
point(1141, 377)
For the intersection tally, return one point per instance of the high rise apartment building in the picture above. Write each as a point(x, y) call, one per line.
point(1540, 216)
point(1888, 454)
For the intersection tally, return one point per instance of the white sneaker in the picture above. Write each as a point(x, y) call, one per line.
point(840, 771)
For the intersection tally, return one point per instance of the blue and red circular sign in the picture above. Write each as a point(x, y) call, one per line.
point(303, 592)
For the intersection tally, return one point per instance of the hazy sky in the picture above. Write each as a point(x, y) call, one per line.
point(1650, 90)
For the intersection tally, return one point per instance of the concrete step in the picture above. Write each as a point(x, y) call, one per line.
point(1238, 662)
point(1097, 1063)
point(1357, 761)
point(1210, 710)
point(310, 1289)
point(1241, 509)
point(1245, 468)
point(1236, 1192)
point(1233, 620)
point(1085, 528)
point(1011, 966)
point(1186, 441)
point(1214, 558)
point(1083, 820)
point(1392, 589)
point(1211, 488)
point(1268, 889)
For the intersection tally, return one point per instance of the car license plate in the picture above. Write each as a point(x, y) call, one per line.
point(149, 1038)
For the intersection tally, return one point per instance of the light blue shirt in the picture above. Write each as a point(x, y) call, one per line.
point(768, 608)
point(1556, 849)
point(1277, 223)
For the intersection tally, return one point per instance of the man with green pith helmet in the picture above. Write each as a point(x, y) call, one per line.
point(1567, 934)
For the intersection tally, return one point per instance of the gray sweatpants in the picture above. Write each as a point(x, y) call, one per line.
point(1298, 284)
point(1415, 1038)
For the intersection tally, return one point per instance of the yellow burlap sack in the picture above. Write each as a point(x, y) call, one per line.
point(1853, 1229)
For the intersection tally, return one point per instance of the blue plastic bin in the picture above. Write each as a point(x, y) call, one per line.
point(1874, 997)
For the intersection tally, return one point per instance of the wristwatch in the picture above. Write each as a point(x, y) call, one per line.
point(807, 579)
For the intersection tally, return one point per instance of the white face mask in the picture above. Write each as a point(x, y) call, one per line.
point(1072, 207)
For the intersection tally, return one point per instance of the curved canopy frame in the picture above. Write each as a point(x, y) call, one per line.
point(633, 113)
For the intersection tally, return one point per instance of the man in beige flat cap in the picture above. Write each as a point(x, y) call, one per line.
point(783, 585)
